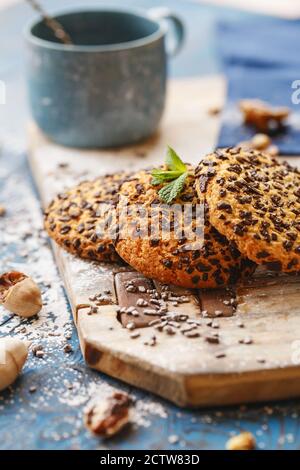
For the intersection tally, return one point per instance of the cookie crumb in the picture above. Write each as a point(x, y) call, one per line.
point(246, 340)
point(68, 349)
point(214, 110)
point(135, 335)
point(212, 339)
point(38, 351)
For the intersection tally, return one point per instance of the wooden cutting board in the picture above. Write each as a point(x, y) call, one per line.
point(256, 355)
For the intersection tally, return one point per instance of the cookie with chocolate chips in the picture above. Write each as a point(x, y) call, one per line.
point(254, 201)
point(81, 219)
point(175, 243)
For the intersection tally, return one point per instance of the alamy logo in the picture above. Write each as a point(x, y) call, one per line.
point(182, 222)
point(2, 92)
point(296, 94)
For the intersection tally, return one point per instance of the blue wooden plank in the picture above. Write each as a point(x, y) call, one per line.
point(50, 417)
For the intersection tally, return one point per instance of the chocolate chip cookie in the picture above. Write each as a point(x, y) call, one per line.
point(254, 201)
point(81, 219)
point(175, 244)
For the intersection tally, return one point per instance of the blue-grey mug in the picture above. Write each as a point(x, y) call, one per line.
point(108, 88)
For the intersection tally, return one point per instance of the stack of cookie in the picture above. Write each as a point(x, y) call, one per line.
point(250, 214)
point(72, 219)
point(254, 202)
point(197, 256)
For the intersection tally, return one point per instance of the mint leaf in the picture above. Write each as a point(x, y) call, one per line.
point(175, 176)
point(165, 175)
point(174, 162)
point(172, 190)
point(156, 181)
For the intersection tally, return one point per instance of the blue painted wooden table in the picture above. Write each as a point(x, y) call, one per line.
point(43, 410)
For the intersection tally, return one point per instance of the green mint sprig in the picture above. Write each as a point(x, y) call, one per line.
point(173, 177)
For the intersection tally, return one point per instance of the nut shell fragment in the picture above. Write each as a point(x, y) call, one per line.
point(20, 294)
point(262, 116)
point(13, 354)
point(108, 416)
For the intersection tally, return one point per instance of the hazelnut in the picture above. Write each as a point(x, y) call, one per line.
point(272, 150)
point(108, 416)
point(20, 294)
point(260, 141)
point(243, 441)
point(2, 211)
point(13, 354)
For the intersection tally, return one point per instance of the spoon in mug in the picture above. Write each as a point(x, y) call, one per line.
point(52, 23)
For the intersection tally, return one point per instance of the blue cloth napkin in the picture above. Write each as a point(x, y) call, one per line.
point(261, 59)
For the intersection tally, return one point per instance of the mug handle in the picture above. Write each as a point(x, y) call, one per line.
point(175, 28)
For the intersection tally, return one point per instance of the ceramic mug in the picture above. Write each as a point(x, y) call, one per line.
point(108, 89)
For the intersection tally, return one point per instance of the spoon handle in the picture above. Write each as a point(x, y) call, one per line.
point(52, 23)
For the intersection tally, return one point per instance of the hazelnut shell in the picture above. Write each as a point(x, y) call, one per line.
point(13, 354)
point(23, 298)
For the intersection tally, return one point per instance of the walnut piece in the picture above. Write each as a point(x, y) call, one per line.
point(108, 416)
point(243, 441)
point(20, 294)
point(262, 116)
